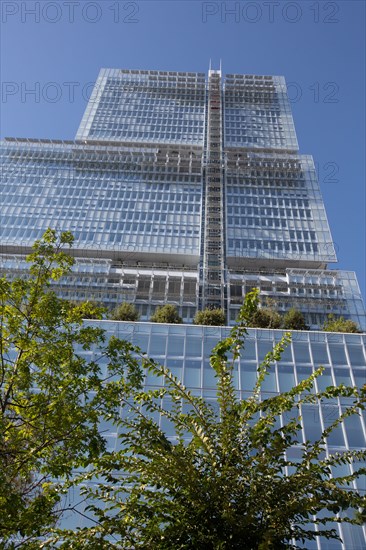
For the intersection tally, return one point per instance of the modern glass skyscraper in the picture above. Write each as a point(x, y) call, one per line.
point(184, 190)
point(190, 190)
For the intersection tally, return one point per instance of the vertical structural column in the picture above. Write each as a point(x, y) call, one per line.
point(213, 291)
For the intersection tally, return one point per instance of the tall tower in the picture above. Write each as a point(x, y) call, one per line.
point(181, 189)
point(191, 191)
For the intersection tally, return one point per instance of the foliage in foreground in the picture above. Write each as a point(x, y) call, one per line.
point(224, 480)
point(51, 398)
point(89, 308)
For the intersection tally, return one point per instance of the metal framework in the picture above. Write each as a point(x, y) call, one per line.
point(214, 254)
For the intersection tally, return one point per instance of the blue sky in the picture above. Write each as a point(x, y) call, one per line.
point(56, 49)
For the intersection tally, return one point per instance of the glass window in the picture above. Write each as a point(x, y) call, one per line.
point(157, 344)
point(141, 340)
point(353, 536)
point(209, 379)
point(326, 544)
point(337, 354)
point(336, 438)
point(311, 423)
point(249, 352)
point(320, 354)
point(354, 431)
point(158, 288)
point(325, 380)
point(286, 377)
point(152, 380)
point(330, 414)
point(270, 383)
point(189, 289)
point(175, 345)
point(356, 355)
point(360, 377)
point(193, 347)
point(301, 351)
point(342, 376)
point(208, 345)
point(192, 364)
point(248, 375)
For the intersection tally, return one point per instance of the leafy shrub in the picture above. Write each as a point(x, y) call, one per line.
point(125, 312)
point(213, 317)
point(339, 324)
point(166, 314)
point(265, 318)
point(294, 320)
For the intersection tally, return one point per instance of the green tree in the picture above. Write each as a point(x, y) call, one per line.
point(339, 324)
point(51, 398)
point(294, 320)
point(213, 317)
point(222, 478)
point(265, 318)
point(125, 312)
point(88, 308)
point(166, 314)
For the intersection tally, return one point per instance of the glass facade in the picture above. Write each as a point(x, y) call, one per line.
point(112, 198)
point(146, 106)
point(190, 190)
point(275, 209)
point(258, 113)
point(175, 171)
